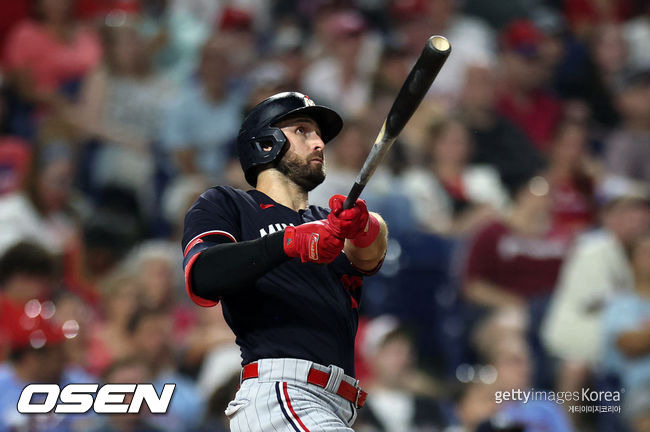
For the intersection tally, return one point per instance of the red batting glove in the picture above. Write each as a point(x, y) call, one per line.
point(348, 223)
point(354, 223)
point(313, 242)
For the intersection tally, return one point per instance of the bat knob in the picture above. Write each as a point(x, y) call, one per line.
point(439, 43)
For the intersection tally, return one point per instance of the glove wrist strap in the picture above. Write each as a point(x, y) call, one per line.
point(366, 238)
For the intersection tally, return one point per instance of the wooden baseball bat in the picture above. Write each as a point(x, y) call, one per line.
point(417, 84)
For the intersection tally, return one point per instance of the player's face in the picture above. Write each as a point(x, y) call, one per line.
point(303, 162)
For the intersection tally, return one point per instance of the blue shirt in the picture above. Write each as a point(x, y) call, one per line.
point(194, 122)
point(629, 312)
point(298, 310)
point(537, 416)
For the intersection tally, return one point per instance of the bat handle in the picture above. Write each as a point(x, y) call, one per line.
point(355, 192)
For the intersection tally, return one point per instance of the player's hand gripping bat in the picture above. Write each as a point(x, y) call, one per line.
point(417, 84)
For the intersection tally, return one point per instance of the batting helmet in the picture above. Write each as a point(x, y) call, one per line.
point(258, 129)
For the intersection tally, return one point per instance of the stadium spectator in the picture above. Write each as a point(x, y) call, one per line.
point(628, 147)
point(592, 72)
point(626, 330)
point(151, 339)
point(524, 99)
point(50, 51)
point(636, 32)
point(36, 355)
point(343, 79)
point(27, 272)
point(46, 209)
point(400, 395)
point(174, 37)
point(45, 58)
point(472, 39)
point(121, 105)
point(200, 126)
point(120, 298)
point(128, 370)
point(235, 27)
point(511, 359)
point(493, 134)
point(595, 271)
point(450, 196)
point(573, 176)
point(513, 261)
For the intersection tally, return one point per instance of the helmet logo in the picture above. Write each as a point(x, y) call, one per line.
point(308, 102)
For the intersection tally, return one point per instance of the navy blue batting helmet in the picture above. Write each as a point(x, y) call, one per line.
point(258, 129)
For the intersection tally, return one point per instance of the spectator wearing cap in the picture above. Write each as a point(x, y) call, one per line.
point(202, 123)
point(628, 147)
point(595, 271)
point(36, 355)
point(626, 325)
point(495, 135)
point(473, 41)
point(524, 99)
point(400, 395)
point(343, 77)
point(235, 26)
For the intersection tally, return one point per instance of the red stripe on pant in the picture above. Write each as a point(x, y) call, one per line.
point(293, 413)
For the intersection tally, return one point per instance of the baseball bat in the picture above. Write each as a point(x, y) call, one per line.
point(416, 85)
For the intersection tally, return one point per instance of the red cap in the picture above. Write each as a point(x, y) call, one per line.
point(523, 37)
point(24, 326)
point(408, 9)
point(235, 19)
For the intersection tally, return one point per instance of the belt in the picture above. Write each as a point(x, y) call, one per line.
point(347, 391)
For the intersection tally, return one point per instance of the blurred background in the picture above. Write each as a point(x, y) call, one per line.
point(517, 200)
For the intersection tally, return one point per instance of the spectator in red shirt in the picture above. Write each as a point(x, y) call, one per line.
point(573, 176)
point(514, 260)
point(43, 54)
point(523, 99)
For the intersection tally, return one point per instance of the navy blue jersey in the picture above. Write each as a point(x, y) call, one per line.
point(297, 310)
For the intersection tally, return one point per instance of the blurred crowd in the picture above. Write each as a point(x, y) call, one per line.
point(517, 199)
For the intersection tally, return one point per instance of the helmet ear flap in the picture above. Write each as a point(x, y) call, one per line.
point(262, 148)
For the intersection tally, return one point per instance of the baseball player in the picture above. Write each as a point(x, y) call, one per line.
point(288, 275)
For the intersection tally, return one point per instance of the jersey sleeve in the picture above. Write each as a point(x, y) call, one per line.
point(213, 219)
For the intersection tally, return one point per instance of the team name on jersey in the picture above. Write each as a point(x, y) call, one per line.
point(275, 227)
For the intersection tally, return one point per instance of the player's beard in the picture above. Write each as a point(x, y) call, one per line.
point(301, 171)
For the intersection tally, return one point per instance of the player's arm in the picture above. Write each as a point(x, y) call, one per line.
point(227, 268)
point(366, 233)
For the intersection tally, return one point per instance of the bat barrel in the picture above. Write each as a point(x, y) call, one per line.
point(415, 87)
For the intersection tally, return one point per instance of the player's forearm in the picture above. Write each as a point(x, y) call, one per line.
point(367, 258)
point(226, 269)
point(635, 343)
point(486, 294)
